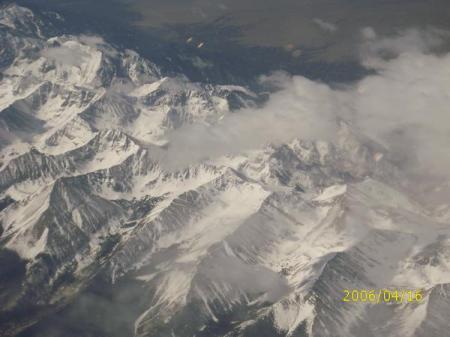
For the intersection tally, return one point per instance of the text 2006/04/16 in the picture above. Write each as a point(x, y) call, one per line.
point(382, 296)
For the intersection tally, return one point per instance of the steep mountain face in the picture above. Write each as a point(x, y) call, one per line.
point(260, 244)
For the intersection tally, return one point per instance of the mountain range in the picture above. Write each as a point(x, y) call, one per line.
point(98, 237)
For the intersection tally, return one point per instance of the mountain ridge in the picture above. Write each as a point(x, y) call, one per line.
point(264, 241)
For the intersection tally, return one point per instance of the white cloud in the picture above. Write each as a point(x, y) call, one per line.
point(368, 33)
point(325, 25)
point(404, 105)
point(92, 40)
point(74, 53)
point(252, 279)
point(376, 51)
point(65, 55)
point(280, 120)
point(200, 63)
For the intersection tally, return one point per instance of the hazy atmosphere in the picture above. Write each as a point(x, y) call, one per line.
point(304, 31)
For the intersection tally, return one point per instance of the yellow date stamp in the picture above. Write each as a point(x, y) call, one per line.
point(387, 296)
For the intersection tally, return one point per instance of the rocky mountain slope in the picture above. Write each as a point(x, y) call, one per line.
point(260, 244)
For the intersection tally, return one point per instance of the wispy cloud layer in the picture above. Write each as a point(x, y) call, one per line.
point(325, 25)
point(403, 105)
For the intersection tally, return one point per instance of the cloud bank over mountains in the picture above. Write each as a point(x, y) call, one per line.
point(403, 104)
